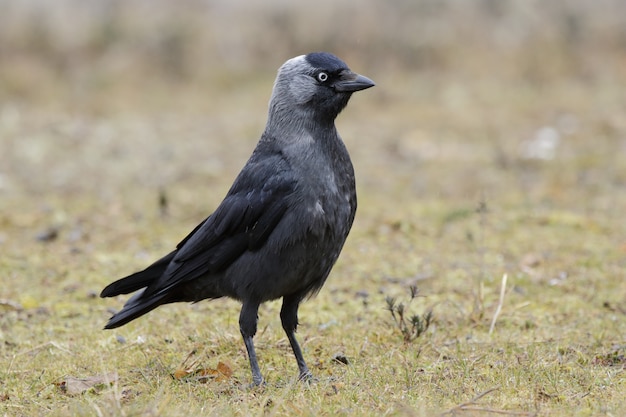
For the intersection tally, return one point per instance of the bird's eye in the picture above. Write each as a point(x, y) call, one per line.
point(322, 77)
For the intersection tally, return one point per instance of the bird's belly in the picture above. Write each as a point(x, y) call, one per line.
point(270, 273)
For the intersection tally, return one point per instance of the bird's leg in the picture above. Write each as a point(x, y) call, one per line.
point(289, 319)
point(247, 325)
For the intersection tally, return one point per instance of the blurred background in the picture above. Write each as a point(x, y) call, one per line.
point(520, 75)
point(114, 111)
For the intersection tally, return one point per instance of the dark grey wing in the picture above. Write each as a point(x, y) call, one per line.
point(243, 221)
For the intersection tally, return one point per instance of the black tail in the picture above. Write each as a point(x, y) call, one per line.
point(135, 307)
point(139, 279)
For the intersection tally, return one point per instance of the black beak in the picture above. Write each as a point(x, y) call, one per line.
point(350, 82)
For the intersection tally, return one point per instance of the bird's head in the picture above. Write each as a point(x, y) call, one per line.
point(314, 88)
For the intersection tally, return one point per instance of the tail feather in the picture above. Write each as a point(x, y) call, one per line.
point(135, 307)
point(139, 304)
point(139, 279)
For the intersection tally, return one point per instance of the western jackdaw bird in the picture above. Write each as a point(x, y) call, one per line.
point(282, 224)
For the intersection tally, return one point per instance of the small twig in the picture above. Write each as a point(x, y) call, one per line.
point(473, 405)
point(191, 354)
point(481, 395)
point(494, 411)
point(473, 401)
point(500, 302)
point(38, 348)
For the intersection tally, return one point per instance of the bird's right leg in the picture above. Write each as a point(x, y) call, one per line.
point(289, 319)
point(247, 325)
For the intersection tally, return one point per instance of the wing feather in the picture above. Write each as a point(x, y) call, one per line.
point(243, 221)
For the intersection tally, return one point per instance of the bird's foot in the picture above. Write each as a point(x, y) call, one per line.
point(257, 384)
point(307, 377)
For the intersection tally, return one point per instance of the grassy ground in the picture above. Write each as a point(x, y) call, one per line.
point(472, 163)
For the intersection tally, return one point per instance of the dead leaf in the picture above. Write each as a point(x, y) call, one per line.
point(74, 386)
point(222, 373)
point(224, 370)
point(181, 373)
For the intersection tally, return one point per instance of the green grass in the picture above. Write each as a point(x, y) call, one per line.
point(448, 201)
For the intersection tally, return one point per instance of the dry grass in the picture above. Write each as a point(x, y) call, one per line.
point(494, 143)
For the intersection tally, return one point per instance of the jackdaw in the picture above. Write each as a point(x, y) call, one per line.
point(282, 224)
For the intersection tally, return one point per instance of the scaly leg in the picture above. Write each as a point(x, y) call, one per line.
point(289, 319)
point(247, 325)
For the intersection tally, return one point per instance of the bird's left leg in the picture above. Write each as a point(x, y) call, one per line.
point(247, 325)
point(289, 319)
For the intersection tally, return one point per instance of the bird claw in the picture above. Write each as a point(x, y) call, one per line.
point(257, 384)
point(307, 377)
